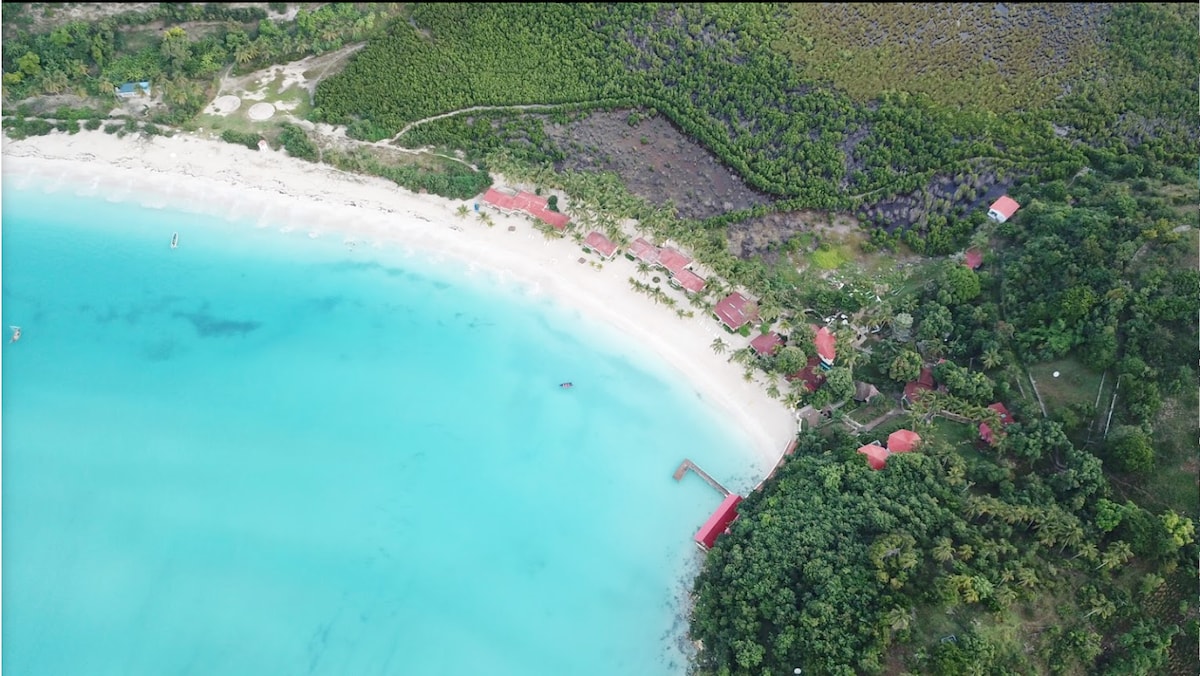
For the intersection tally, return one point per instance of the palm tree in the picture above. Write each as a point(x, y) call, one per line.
point(991, 358)
point(743, 356)
point(245, 53)
point(943, 550)
point(850, 357)
point(1102, 606)
point(1027, 577)
point(1116, 554)
point(719, 345)
point(898, 619)
point(643, 268)
point(1005, 596)
point(768, 312)
point(792, 399)
point(462, 211)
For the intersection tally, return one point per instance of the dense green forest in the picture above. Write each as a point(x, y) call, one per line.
point(1068, 546)
point(721, 74)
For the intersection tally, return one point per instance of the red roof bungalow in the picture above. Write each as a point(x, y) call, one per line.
point(735, 311)
point(718, 523)
point(812, 375)
point(985, 430)
point(825, 346)
point(673, 260)
point(767, 344)
point(601, 245)
point(876, 455)
point(529, 203)
point(690, 281)
point(973, 259)
point(1003, 209)
point(644, 251)
point(902, 441)
point(922, 383)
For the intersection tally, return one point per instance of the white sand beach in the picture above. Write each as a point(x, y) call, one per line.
point(225, 180)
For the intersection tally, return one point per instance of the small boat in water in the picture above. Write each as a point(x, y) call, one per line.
point(175, 240)
point(566, 386)
point(16, 334)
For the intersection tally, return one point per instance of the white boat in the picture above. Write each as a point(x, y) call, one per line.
point(174, 240)
point(16, 334)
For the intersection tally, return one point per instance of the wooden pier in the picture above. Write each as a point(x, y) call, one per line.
point(688, 464)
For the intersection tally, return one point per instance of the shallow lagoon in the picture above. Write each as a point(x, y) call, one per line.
point(261, 453)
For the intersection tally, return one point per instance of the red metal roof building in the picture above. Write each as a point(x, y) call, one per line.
point(644, 251)
point(902, 441)
point(601, 245)
point(767, 344)
point(735, 311)
point(718, 523)
point(985, 431)
point(1003, 209)
point(923, 383)
point(690, 281)
point(529, 203)
point(876, 455)
point(812, 375)
point(674, 261)
point(825, 346)
point(973, 259)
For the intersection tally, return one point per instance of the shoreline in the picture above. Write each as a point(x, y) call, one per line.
point(211, 177)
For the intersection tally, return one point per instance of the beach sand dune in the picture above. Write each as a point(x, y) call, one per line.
point(227, 181)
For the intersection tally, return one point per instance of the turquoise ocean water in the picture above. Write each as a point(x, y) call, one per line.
point(262, 453)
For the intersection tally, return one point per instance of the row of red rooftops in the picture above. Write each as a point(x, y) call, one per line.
point(900, 441)
point(675, 261)
point(735, 311)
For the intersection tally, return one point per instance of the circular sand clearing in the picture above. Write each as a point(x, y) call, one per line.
point(261, 111)
point(225, 105)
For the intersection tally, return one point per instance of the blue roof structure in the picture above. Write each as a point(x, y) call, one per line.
point(133, 87)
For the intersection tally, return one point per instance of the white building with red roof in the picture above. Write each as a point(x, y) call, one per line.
point(689, 281)
point(1003, 209)
point(512, 201)
point(600, 244)
point(644, 251)
point(735, 311)
point(902, 441)
point(767, 344)
point(825, 344)
point(987, 433)
point(674, 261)
point(876, 455)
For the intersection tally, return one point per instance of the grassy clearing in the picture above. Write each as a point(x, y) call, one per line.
point(832, 257)
point(236, 121)
point(870, 411)
point(961, 436)
point(890, 425)
point(1076, 384)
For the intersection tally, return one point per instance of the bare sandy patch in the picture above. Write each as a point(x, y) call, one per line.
point(261, 111)
point(224, 105)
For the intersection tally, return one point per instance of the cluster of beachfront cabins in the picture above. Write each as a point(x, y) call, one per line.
point(736, 311)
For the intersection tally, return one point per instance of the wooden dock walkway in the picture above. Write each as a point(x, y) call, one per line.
point(688, 464)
